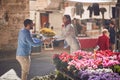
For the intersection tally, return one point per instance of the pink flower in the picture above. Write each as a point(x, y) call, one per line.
point(95, 66)
point(65, 57)
point(118, 57)
point(83, 59)
point(110, 63)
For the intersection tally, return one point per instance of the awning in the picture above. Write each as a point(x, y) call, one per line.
point(93, 1)
point(54, 5)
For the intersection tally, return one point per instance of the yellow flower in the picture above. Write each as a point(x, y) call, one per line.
point(47, 32)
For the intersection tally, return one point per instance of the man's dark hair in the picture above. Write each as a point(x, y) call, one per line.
point(27, 21)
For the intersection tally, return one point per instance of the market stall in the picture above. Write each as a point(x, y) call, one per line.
point(87, 43)
point(84, 65)
point(91, 17)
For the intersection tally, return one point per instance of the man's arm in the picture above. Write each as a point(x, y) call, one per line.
point(30, 40)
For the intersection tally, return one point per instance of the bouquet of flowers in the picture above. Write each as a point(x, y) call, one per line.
point(47, 32)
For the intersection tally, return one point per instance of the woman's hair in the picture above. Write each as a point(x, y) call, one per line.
point(68, 18)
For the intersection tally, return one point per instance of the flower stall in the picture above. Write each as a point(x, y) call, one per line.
point(83, 65)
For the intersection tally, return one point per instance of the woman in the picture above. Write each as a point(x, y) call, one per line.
point(69, 34)
point(103, 40)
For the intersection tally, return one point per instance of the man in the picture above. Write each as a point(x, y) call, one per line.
point(24, 48)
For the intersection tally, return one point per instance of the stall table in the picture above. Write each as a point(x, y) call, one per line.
point(87, 42)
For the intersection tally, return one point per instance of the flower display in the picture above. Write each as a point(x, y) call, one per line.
point(104, 58)
point(82, 59)
point(47, 32)
point(90, 65)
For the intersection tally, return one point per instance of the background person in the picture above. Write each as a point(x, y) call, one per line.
point(69, 34)
point(46, 24)
point(103, 40)
point(111, 30)
point(77, 26)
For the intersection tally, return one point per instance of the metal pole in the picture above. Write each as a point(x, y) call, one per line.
point(35, 22)
point(117, 18)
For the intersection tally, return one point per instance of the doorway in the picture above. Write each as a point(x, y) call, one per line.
point(44, 18)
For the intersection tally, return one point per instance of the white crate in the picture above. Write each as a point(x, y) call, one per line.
point(48, 46)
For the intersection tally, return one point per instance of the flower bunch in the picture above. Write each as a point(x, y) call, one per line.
point(98, 74)
point(108, 57)
point(47, 32)
point(109, 63)
point(84, 59)
point(60, 64)
point(118, 56)
point(105, 76)
point(105, 53)
point(82, 54)
point(85, 63)
point(65, 57)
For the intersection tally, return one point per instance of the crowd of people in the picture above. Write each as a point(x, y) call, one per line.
point(108, 39)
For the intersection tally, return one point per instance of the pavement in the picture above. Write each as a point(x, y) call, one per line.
point(41, 63)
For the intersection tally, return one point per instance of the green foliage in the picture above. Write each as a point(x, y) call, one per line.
point(61, 76)
point(116, 68)
point(60, 65)
point(51, 76)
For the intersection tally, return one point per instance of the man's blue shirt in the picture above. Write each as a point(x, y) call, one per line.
point(25, 43)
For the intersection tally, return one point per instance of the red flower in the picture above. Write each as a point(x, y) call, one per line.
point(55, 56)
point(65, 57)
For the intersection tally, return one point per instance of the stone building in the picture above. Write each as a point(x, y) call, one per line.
point(12, 14)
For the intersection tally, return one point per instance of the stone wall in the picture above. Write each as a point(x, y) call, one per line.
point(55, 19)
point(12, 15)
point(38, 5)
